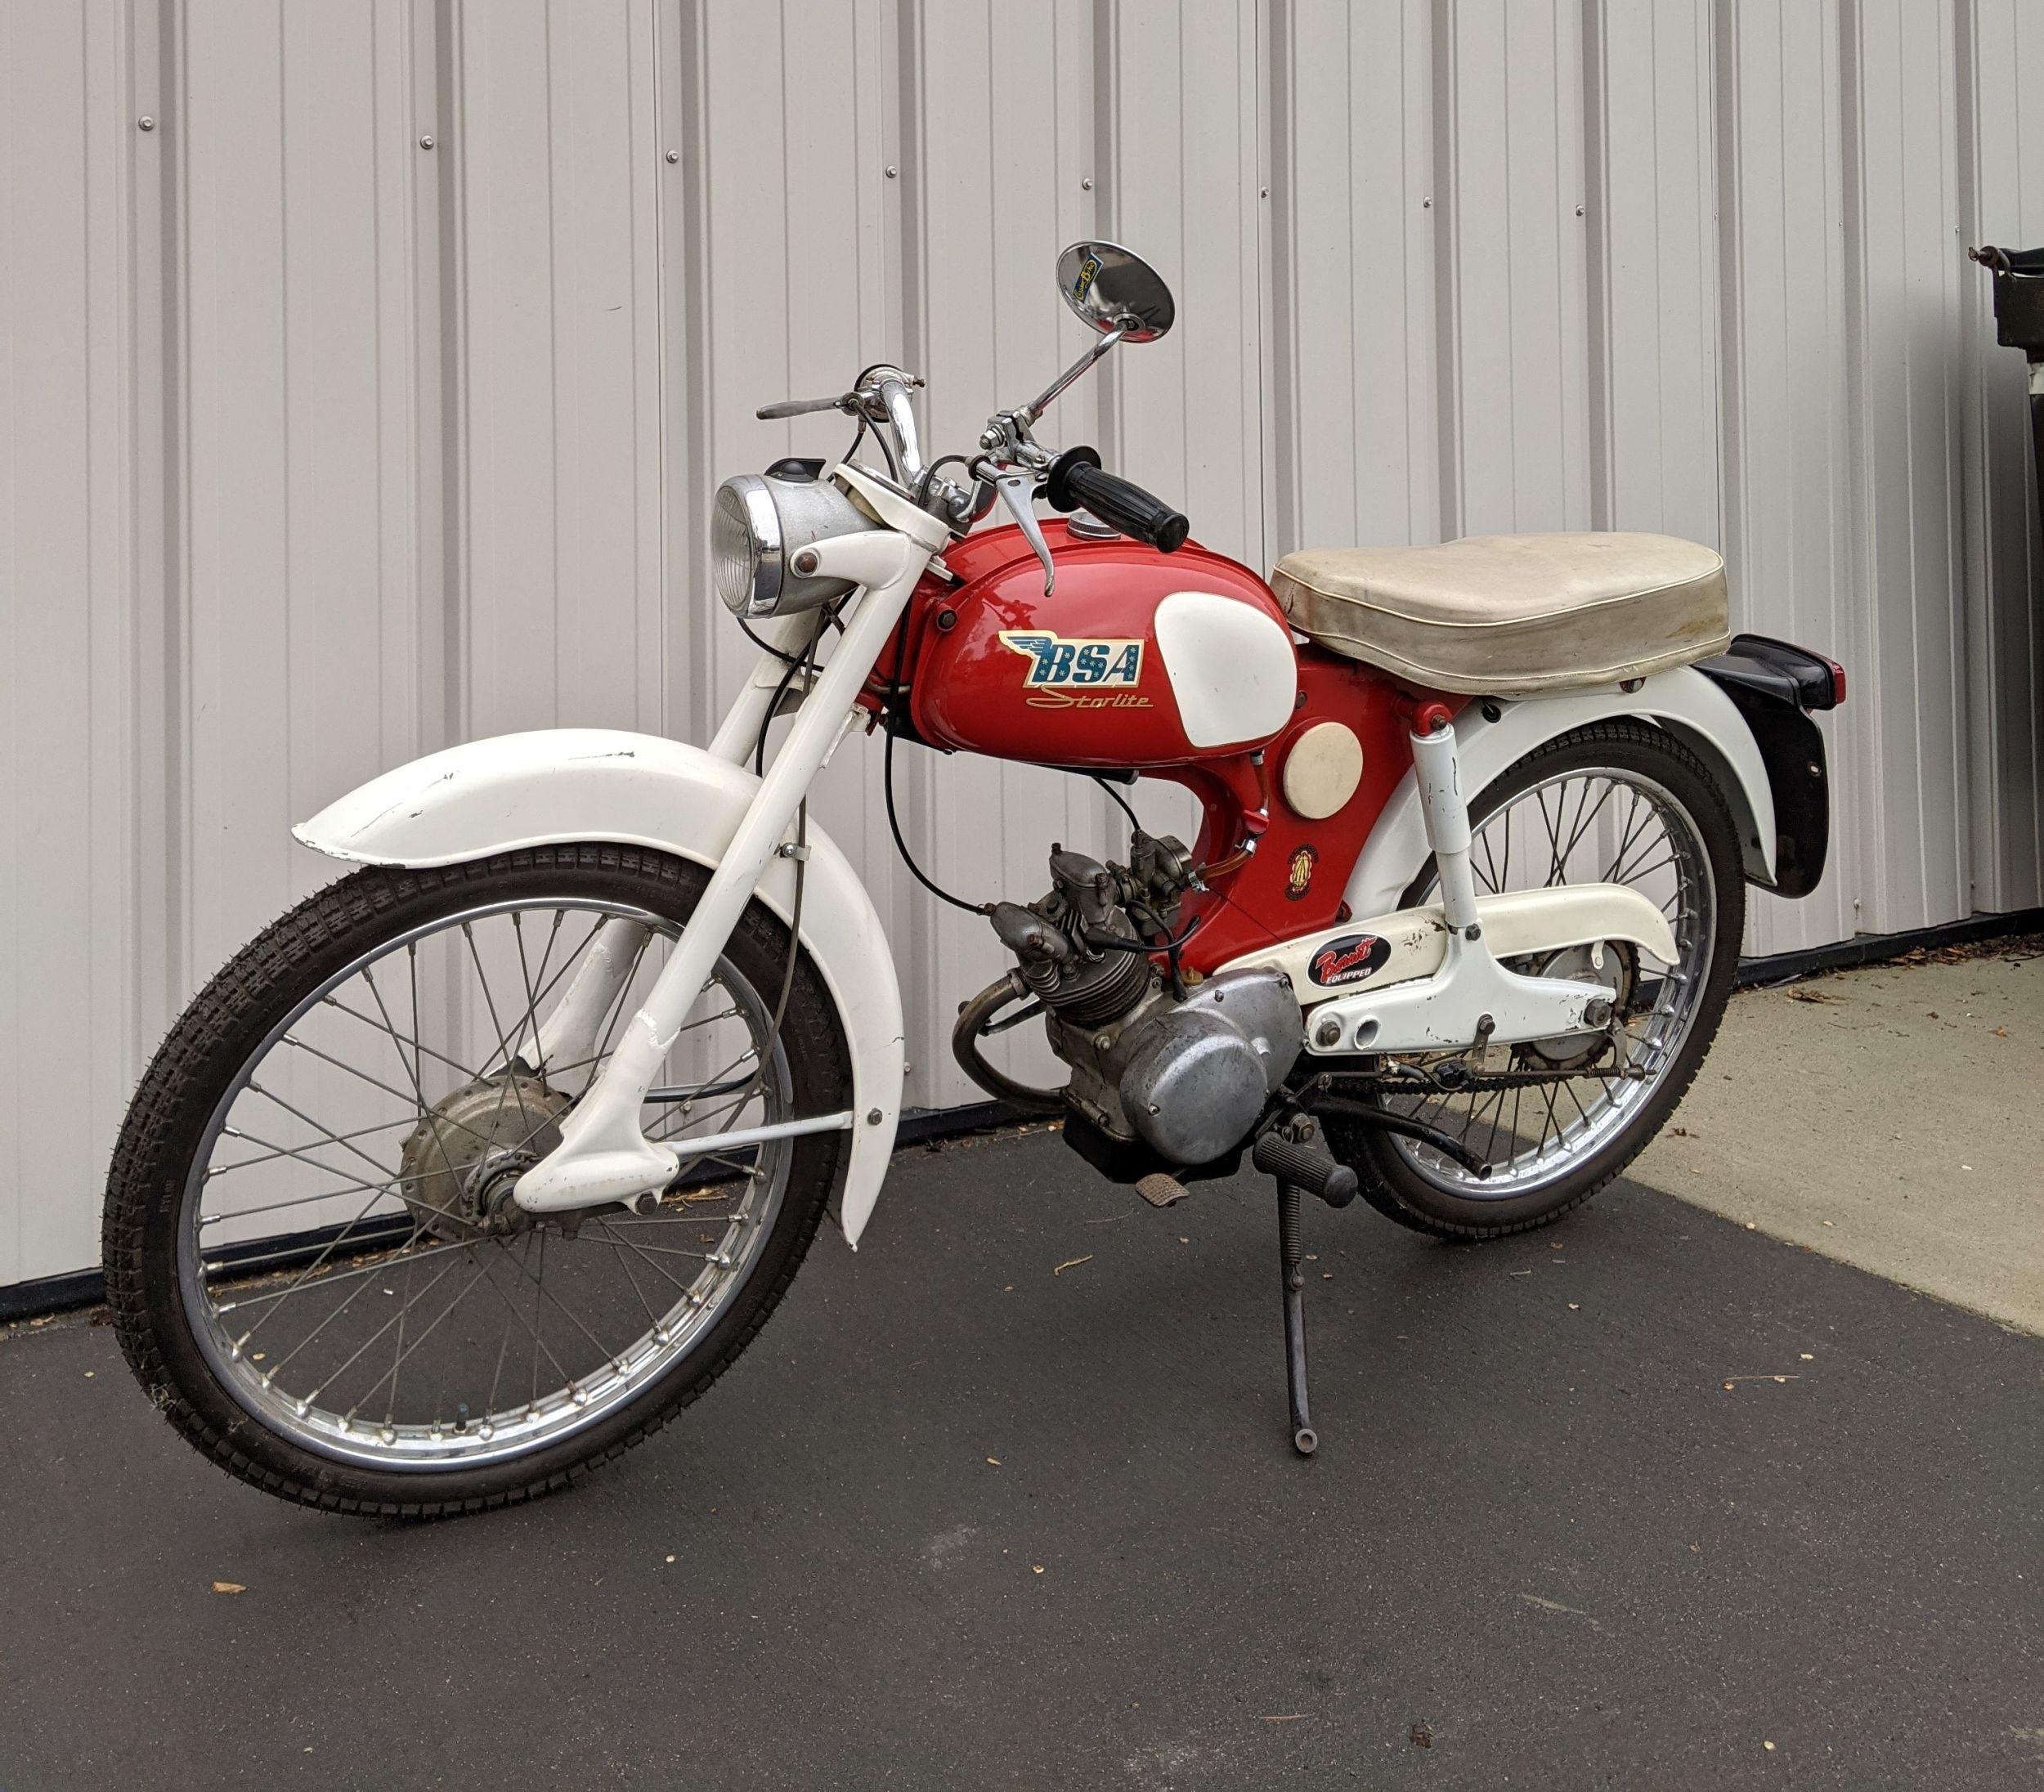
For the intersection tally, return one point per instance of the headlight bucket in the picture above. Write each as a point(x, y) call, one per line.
point(760, 524)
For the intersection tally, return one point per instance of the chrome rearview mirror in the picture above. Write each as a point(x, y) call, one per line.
point(1115, 290)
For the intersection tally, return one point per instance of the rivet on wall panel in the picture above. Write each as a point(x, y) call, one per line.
point(145, 122)
point(673, 155)
point(425, 143)
point(892, 170)
point(1086, 184)
point(1426, 205)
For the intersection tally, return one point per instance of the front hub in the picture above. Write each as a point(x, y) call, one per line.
point(461, 1161)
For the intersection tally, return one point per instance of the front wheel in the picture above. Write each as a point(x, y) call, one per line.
point(1554, 1121)
point(312, 1254)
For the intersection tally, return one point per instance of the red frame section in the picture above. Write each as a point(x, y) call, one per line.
point(1272, 874)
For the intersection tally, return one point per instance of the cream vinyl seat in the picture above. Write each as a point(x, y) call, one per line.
point(1508, 616)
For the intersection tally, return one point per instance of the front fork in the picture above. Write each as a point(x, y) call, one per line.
point(604, 1155)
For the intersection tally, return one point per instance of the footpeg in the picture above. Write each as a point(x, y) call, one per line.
point(1305, 1167)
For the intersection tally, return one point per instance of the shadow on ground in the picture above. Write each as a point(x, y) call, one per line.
point(1540, 1533)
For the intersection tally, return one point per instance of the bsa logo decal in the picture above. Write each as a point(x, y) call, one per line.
point(1348, 959)
point(1078, 672)
point(1298, 877)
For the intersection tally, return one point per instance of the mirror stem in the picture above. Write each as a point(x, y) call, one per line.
point(1030, 412)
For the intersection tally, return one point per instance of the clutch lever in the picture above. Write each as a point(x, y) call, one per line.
point(802, 407)
point(1016, 487)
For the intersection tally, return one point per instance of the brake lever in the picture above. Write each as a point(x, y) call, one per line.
point(1018, 491)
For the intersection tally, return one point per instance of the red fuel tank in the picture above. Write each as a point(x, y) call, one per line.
point(1136, 659)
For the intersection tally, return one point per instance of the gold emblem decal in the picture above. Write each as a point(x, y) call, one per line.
point(1299, 878)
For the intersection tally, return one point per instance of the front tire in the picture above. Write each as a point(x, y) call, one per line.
point(1619, 801)
point(412, 1344)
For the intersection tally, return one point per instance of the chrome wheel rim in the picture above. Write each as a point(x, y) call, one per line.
point(1599, 824)
point(364, 1338)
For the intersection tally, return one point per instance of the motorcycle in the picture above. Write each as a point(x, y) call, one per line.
point(479, 1165)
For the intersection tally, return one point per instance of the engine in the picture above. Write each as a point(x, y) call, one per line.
point(1163, 1068)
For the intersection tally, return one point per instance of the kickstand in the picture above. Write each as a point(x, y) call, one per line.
point(1304, 1439)
point(1299, 1167)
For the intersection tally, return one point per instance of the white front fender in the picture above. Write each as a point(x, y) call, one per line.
point(559, 786)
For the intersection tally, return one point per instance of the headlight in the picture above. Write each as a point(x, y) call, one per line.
point(760, 523)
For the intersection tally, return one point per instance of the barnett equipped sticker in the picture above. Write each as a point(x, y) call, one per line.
point(1348, 959)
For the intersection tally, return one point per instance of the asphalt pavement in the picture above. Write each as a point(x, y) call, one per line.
point(1648, 1499)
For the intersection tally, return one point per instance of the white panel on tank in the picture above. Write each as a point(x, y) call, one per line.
point(1231, 667)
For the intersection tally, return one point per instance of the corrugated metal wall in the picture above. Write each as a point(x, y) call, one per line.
point(323, 448)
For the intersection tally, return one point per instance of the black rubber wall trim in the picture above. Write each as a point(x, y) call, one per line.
point(51, 1294)
point(925, 1126)
point(1876, 948)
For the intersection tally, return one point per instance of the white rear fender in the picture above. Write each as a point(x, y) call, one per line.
point(561, 786)
point(1687, 703)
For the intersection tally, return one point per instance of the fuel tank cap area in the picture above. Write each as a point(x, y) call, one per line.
point(1137, 658)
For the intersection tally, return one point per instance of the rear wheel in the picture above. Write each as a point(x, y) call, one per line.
point(314, 1263)
point(1555, 1120)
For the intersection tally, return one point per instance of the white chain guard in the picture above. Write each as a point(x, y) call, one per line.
point(1427, 990)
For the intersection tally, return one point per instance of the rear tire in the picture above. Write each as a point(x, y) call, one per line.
point(158, 1177)
point(1415, 1186)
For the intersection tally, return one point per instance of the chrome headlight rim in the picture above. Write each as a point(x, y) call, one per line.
point(762, 523)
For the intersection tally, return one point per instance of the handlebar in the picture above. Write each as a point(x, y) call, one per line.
point(1076, 479)
point(1014, 465)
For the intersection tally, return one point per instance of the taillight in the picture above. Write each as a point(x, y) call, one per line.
point(1838, 680)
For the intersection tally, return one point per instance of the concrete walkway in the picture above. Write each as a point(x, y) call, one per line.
point(1892, 1117)
point(1650, 1499)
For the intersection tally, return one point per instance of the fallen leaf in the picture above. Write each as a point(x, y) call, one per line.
point(995, 1460)
point(1769, 1746)
point(1070, 1263)
point(1420, 1736)
point(228, 1586)
point(2001, 1032)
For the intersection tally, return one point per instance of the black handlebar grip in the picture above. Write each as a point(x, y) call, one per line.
point(1076, 479)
